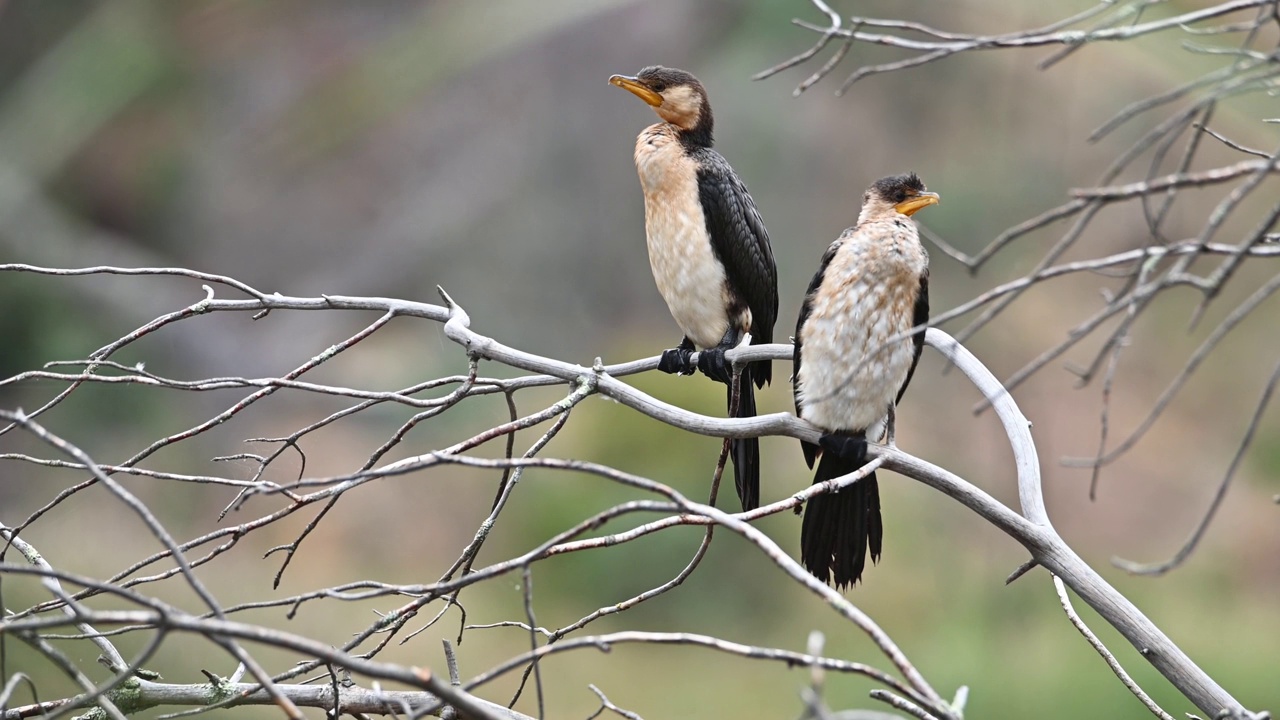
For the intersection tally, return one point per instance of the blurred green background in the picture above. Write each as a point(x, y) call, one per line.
point(381, 148)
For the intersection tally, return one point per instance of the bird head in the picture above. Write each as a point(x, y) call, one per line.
point(675, 95)
point(896, 194)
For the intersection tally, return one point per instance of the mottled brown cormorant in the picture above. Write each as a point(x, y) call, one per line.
point(871, 289)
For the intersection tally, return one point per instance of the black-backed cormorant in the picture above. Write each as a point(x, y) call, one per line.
point(708, 248)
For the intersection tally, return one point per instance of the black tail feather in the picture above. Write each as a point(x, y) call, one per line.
point(761, 371)
point(839, 528)
point(746, 452)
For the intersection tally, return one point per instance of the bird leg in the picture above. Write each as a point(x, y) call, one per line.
point(890, 427)
point(676, 361)
point(712, 362)
point(845, 447)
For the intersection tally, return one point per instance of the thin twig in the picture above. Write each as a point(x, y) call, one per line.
point(1105, 653)
point(1198, 533)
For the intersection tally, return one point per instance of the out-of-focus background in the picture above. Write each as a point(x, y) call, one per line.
point(382, 148)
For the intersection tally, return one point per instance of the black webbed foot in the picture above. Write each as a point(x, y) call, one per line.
point(676, 361)
point(713, 364)
point(845, 447)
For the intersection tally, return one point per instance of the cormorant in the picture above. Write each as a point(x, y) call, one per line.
point(870, 290)
point(708, 248)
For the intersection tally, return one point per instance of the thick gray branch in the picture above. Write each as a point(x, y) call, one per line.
point(1049, 549)
point(1032, 529)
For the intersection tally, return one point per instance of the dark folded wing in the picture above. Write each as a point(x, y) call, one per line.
point(810, 450)
point(919, 318)
point(740, 241)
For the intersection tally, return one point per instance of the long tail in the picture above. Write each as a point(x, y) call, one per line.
point(746, 452)
point(838, 528)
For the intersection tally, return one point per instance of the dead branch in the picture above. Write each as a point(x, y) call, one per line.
point(1031, 527)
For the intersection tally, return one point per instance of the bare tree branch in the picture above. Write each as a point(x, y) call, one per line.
point(1106, 654)
point(1032, 528)
point(1198, 532)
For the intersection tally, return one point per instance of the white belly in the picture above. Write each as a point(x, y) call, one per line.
point(688, 275)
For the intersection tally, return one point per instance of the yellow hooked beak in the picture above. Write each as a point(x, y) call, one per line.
point(912, 205)
point(636, 88)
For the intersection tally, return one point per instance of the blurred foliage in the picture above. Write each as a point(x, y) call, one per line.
point(383, 147)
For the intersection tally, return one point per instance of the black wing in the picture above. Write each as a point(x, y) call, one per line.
point(810, 450)
point(741, 243)
point(919, 317)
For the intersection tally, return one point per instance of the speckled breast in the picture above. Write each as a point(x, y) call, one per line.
point(855, 357)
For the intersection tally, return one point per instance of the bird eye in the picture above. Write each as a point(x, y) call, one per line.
point(658, 87)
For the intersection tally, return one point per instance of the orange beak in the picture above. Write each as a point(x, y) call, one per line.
point(913, 205)
point(637, 88)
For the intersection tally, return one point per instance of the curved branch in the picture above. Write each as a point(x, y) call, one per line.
point(1034, 531)
point(1051, 551)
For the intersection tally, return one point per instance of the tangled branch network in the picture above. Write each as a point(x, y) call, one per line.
point(170, 593)
point(130, 605)
point(1176, 153)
